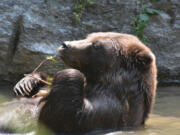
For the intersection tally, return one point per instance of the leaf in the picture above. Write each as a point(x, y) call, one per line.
point(49, 79)
point(152, 11)
point(145, 39)
point(78, 8)
point(76, 17)
point(51, 58)
point(144, 17)
point(142, 27)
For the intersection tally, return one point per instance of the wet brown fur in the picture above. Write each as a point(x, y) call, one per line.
point(112, 86)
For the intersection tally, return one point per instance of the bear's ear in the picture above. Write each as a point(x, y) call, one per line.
point(144, 59)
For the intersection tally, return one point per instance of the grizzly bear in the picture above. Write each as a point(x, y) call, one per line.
point(112, 85)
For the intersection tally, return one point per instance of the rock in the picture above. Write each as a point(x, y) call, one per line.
point(19, 115)
point(164, 34)
point(46, 24)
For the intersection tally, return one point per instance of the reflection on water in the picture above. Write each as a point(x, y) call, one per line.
point(165, 119)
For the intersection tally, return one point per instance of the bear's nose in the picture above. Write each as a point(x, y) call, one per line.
point(66, 46)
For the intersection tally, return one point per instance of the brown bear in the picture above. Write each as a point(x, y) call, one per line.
point(112, 85)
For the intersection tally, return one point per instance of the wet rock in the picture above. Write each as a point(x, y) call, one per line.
point(19, 115)
point(46, 23)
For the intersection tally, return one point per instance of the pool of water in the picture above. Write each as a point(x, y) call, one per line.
point(165, 119)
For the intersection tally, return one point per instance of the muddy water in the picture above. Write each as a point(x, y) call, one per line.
point(165, 119)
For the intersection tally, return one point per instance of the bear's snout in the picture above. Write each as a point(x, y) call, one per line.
point(65, 45)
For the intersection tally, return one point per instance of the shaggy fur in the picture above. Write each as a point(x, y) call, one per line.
point(112, 85)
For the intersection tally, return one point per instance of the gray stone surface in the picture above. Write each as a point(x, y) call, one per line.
point(46, 23)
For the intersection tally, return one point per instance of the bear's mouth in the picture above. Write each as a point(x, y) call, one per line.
point(61, 50)
point(68, 59)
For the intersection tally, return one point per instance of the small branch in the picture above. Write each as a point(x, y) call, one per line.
point(39, 79)
point(42, 62)
point(35, 70)
point(39, 66)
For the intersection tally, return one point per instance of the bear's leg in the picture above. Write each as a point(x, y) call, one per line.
point(63, 105)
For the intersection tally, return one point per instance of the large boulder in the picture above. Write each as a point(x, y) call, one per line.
point(30, 30)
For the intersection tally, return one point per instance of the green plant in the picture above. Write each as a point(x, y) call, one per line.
point(76, 17)
point(139, 25)
point(79, 8)
point(52, 58)
point(49, 79)
point(140, 22)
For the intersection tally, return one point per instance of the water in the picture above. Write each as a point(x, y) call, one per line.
point(165, 119)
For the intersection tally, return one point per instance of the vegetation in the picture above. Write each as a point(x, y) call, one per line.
point(49, 79)
point(52, 58)
point(79, 8)
point(140, 22)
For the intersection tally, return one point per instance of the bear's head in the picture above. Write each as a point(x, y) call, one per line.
point(106, 55)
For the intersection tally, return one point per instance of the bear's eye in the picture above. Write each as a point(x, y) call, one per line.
point(95, 46)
